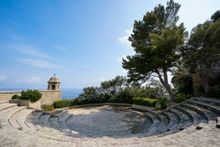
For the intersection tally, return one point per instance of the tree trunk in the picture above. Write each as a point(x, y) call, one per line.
point(165, 83)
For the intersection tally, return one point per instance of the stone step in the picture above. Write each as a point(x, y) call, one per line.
point(204, 117)
point(63, 122)
point(4, 114)
point(165, 121)
point(156, 122)
point(4, 106)
point(210, 115)
point(215, 100)
point(32, 120)
point(208, 100)
point(4, 101)
point(187, 113)
point(43, 120)
point(21, 116)
point(210, 107)
point(183, 118)
point(196, 117)
point(53, 123)
point(174, 120)
point(11, 119)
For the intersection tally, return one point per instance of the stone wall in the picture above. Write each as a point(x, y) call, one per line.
point(48, 96)
point(6, 95)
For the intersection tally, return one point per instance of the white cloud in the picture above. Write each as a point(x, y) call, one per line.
point(39, 63)
point(124, 39)
point(3, 77)
point(30, 80)
point(28, 49)
point(60, 47)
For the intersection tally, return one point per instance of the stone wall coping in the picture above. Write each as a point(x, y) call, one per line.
point(26, 90)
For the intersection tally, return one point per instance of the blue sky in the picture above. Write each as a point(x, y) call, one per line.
point(82, 41)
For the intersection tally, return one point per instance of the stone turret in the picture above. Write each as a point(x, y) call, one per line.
point(54, 83)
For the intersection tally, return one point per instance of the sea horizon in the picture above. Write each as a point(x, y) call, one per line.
point(67, 93)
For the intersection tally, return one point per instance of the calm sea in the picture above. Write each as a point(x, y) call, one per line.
point(67, 93)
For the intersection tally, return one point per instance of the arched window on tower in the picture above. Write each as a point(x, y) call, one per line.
point(53, 87)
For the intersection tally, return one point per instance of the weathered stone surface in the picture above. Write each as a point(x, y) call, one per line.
point(108, 126)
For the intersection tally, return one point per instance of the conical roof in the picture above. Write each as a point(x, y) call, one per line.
point(54, 79)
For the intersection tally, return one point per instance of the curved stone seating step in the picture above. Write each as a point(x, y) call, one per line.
point(203, 116)
point(210, 107)
point(174, 120)
point(165, 121)
point(181, 120)
point(4, 106)
point(54, 124)
point(62, 122)
point(195, 116)
point(208, 100)
point(188, 113)
point(18, 118)
point(209, 115)
point(11, 119)
point(32, 120)
point(5, 116)
point(170, 120)
point(176, 116)
point(185, 119)
point(6, 113)
point(4, 101)
point(43, 120)
point(156, 122)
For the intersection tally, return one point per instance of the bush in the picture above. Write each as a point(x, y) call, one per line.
point(62, 103)
point(32, 95)
point(162, 102)
point(47, 107)
point(15, 96)
point(145, 102)
point(180, 97)
point(121, 97)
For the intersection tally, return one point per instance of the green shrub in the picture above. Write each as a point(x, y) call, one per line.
point(121, 97)
point(180, 97)
point(47, 107)
point(162, 102)
point(145, 101)
point(15, 96)
point(62, 103)
point(32, 95)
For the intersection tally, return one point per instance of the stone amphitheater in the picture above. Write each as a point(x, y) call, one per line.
point(191, 123)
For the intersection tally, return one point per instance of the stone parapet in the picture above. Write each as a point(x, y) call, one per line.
point(48, 96)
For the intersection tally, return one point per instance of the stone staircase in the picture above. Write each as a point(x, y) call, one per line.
point(63, 126)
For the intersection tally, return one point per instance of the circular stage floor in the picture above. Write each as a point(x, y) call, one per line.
point(106, 121)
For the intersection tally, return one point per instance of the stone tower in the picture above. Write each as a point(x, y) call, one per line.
point(54, 83)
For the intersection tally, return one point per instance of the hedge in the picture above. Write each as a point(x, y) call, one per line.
point(66, 103)
point(145, 101)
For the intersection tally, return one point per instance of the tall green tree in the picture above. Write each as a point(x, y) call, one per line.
point(157, 40)
point(202, 51)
